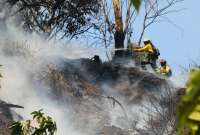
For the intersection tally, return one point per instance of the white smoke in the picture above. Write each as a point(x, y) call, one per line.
point(18, 87)
point(25, 55)
point(179, 81)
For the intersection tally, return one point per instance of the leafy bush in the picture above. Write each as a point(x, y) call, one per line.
point(188, 122)
point(39, 125)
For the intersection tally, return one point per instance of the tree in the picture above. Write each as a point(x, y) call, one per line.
point(39, 125)
point(109, 22)
point(66, 17)
point(157, 11)
point(115, 30)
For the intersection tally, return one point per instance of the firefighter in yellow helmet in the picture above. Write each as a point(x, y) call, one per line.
point(164, 68)
point(150, 54)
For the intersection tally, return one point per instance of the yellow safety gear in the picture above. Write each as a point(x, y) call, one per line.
point(165, 70)
point(148, 54)
point(148, 48)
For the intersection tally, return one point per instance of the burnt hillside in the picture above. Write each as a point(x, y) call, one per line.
point(105, 99)
point(87, 86)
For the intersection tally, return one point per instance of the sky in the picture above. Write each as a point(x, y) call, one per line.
point(177, 41)
point(179, 44)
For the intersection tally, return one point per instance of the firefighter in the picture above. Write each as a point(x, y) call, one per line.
point(151, 54)
point(164, 68)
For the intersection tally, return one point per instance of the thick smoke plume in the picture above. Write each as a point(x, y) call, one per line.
point(23, 58)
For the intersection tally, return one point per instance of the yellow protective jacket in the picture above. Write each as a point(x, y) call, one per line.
point(147, 48)
point(165, 70)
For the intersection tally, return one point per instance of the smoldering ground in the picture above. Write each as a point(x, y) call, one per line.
point(27, 58)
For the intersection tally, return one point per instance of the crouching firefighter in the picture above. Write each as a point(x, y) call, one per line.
point(164, 69)
point(151, 54)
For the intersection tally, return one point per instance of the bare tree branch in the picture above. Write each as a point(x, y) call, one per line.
point(153, 12)
point(127, 17)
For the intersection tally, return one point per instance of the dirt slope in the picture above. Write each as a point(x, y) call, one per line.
point(87, 88)
point(85, 84)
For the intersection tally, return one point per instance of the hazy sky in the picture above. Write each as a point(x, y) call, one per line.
point(179, 44)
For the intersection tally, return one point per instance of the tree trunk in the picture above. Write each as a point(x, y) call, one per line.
point(119, 33)
point(119, 43)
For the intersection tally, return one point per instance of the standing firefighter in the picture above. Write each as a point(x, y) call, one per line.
point(164, 68)
point(151, 54)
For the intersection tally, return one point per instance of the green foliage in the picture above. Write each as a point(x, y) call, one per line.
point(16, 128)
point(136, 4)
point(39, 125)
point(69, 18)
point(188, 112)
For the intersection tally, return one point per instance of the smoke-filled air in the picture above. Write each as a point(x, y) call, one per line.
point(87, 68)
